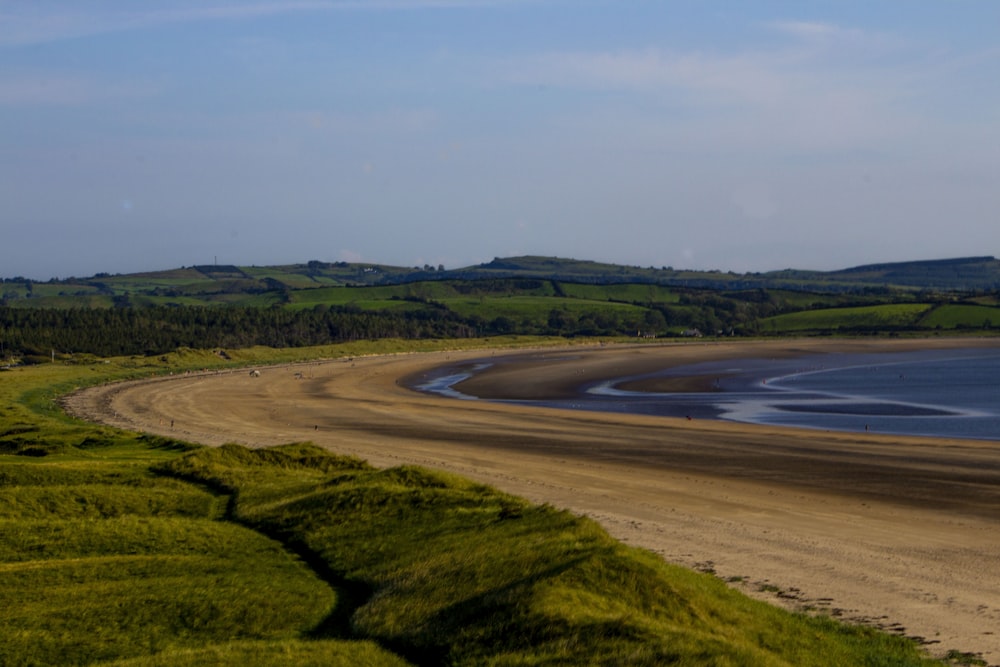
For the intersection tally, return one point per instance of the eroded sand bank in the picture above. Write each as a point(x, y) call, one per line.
point(897, 531)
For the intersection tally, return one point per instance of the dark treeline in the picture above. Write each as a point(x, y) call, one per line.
point(128, 331)
point(34, 334)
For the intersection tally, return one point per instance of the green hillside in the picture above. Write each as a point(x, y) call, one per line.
point(318, 303)
point(206, 283)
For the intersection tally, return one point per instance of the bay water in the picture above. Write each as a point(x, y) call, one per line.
point(944, 393)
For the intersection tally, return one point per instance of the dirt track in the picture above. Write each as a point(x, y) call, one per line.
point(899, 532)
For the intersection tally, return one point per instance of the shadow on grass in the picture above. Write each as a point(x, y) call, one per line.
point(350, 594)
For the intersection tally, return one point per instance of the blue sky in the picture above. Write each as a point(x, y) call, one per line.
point(744, 136)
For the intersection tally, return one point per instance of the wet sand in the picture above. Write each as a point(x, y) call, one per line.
point(899, 532)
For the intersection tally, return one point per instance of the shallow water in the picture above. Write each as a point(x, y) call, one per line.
point(947, 393)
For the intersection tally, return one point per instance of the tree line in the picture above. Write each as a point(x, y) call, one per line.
point(34, 333)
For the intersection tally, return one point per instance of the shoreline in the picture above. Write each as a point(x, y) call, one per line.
point(892, 531)
point(720, 385)
point(542, 375)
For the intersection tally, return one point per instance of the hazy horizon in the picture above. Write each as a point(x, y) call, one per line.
point(743, 137)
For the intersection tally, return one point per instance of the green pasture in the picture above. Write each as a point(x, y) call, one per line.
point(123, 549)
point(344, 296)
point(629, 293)
point(817, 301)
point(422, 291)
point(45, 290)
point(466, 293)
point(144, 300)
point(142, 282)
point(64, 301)
point(891, 316)
point(314, 274)
point(293, 280)
point(961, 316)
point(915, 316)
point(258, 300)
point(986, 299)
point(537, 308)
point(195, 281)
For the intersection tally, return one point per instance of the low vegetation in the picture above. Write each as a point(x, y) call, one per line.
point(124, 549)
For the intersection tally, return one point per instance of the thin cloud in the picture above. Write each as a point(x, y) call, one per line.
point(848, 43)
point(34, 25)
point(817, 49)
point(812, 29)
point(727, 78)
point(792, 97)
point(65, 90)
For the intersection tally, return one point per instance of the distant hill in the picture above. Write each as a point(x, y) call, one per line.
point(966, 273)
point(271, 285)
point(963, 273)
point(318, 302)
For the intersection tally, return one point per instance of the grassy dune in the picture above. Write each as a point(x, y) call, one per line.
point(101, 558)
point(123, 549)
point(446, 571)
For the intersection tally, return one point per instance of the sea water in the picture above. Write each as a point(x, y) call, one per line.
point(947, 393)
point(952, 393)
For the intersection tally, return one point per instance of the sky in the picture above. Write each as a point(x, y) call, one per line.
point(738, 136)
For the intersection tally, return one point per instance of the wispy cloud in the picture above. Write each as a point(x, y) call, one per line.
point(50, 89)
point(734, 77)
point(745, 73)
point(795, 94)
point(846, 42)
point(40, 23)
point(813, 29)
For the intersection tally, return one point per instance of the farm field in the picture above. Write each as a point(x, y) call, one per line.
point(880, 317)
point(968, 316)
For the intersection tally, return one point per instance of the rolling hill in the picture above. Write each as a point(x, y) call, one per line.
point(226, 283)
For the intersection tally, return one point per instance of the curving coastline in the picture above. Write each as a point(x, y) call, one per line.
point(895, 531)
point(929, 392)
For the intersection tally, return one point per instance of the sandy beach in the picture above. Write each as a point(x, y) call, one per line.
point(899, 532)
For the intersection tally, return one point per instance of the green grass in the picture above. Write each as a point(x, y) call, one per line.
point(455, 572)
point(65, 301)
point(343, 296)
point(118, 548)
point(631, 293)
point(846, 319)
point(472, 299)
point(102, 560)
point(956, 316)
point(536, 308)
point(275, 653)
